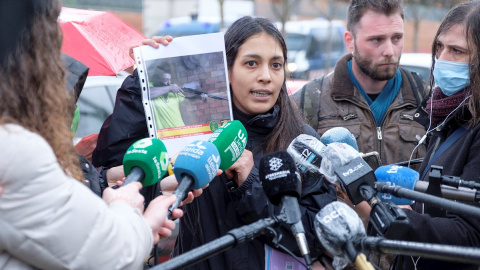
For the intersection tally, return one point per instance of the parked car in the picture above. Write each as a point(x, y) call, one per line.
point(418, 62)
point(96, 102)
point(308, 46)
point(293, 85)
point(191, 25)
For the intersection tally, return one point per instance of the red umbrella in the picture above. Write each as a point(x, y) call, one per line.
point(98, 39)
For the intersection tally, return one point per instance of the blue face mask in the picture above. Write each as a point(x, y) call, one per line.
point(450, 76)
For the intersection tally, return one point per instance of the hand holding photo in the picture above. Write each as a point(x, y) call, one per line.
point(184, 89)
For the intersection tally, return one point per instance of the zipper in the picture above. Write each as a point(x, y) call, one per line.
point(406, 116)
point(379, 133)
point(345, 118)
point(349, 116)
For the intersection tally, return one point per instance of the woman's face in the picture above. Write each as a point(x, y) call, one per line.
point(257, 74)
point(452, 45)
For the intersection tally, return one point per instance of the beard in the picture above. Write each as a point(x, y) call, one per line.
point(373, 70)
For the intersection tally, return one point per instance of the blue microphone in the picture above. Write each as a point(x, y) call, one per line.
point(196, 165)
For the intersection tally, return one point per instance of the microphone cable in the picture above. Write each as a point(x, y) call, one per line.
point(276, 243)
point(429, 129)
point(156, 252)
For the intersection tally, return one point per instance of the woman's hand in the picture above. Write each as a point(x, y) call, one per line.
point(154, 42)
point(115, 176)
point(156, 216)
point(170, 183)
point(240, 170)
point(129, 194)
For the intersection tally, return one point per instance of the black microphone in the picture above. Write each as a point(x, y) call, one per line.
point(337, 227)
point(341, 232)
point(454, 207)
point(344, 166)
point(231, 239)
point(282, 185)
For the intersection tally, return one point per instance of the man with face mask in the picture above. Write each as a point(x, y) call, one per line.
point(367, 93)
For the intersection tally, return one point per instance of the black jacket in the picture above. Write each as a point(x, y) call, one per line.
point(122, 128)
point(217, 210)
point(461, 159)
point(95, 179)
point(223, 207)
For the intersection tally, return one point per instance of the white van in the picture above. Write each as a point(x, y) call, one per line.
point(96, 102)
point(310, 54)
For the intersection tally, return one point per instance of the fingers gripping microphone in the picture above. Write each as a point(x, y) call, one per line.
point(196, 165)
point(306, 152)
point(337, 227)
point(145, 161)
point(281, 183)
point(341, 135)
point(230, 140)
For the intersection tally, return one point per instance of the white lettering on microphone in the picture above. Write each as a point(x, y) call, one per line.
point(306, 153)
point(350, 171)
point(138, 151)
point(157, 165)
point(333, 215)
point(393, 169)
point(192, 150)
point(212, 166)
point(276, 175)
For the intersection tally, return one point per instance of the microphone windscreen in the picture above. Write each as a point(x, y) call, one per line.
point(150, 155)
point(395, 175)
point(336, 224)
point(339, 134)
point(306, 152)
point(230, 140)
point(279, 176)
point(334, 156)
point(200, 160)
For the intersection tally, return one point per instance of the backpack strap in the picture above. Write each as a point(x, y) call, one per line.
point(416, 82)
point(311, 96)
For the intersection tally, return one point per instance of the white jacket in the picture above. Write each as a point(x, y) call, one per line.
point(51, 221)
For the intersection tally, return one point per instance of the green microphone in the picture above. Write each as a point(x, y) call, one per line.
point(230, 140)
point(145, 161)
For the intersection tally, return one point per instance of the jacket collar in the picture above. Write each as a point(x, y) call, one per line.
point(260, 123)
point(342, 86)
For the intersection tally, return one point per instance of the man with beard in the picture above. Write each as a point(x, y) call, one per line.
point(367, 93)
